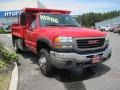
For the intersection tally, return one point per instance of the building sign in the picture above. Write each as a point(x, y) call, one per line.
point(9, 13)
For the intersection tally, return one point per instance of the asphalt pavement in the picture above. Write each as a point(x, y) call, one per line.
point(105, 76)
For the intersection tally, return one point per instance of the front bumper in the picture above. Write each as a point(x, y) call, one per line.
point(71, 60)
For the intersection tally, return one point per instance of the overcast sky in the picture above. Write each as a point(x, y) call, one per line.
point(83, 6)
point(80, 6)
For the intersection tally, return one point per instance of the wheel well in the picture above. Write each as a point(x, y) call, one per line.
point(13, 39)
point(20, 42)
point(41, 45)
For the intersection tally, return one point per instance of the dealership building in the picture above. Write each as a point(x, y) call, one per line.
point(10, 10)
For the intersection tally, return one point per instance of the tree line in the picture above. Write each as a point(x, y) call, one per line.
point(89, 19)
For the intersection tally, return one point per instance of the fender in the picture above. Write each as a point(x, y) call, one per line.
point(48, 42)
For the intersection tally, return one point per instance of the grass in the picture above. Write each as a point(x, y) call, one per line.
point(4, 81)
point(4, 31)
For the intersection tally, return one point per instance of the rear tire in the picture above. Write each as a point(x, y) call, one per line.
point(45, 63)
point(15, 44)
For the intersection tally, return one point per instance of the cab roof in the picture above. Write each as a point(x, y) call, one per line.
point(38, 10)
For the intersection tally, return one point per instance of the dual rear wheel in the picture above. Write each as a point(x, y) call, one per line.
point(15, 44)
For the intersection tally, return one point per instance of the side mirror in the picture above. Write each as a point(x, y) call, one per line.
point(30, 28)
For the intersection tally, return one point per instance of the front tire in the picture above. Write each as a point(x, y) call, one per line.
point(45, 63)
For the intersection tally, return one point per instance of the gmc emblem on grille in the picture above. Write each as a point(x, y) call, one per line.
point(93, 41)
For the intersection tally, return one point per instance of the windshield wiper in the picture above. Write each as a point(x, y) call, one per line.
point(62, 25)
point(53, 25)
point(71, 25)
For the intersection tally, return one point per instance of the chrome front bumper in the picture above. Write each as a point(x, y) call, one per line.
point(74, 60)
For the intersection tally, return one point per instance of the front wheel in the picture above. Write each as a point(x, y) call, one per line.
point(45, 63)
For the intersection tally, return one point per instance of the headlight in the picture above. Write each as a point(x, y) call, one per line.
point(107, 39)
point(63, 43)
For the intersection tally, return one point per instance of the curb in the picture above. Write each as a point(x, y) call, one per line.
point(14, 78)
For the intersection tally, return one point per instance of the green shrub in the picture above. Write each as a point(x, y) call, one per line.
point(1, 47)
point(6, 56)
point(2, 30)
point(2, 64)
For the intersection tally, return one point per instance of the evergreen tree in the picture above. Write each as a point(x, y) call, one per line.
point(89, 19)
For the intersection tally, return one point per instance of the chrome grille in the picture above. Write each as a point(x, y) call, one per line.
point(90, 43)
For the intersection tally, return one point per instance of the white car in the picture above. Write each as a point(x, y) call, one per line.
point(105, 28)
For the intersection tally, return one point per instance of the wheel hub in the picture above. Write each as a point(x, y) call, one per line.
point(42, 61)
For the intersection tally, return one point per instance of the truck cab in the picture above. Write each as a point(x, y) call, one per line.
point(58, 40)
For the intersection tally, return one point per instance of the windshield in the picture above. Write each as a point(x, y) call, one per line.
point(57, 20)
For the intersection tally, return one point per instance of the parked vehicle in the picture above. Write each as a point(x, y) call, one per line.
point(116, 30)
point(114, 26)
point(58, 40)
point(105, 28)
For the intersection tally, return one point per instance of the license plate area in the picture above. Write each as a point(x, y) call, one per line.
point(96, 59)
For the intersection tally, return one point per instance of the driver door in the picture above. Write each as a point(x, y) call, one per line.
point(32, 34)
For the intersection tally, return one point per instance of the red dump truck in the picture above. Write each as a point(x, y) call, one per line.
point(58, 40)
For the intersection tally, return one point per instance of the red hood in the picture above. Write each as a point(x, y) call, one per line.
point(73, 32)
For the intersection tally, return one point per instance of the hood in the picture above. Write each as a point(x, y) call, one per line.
point(73, 32)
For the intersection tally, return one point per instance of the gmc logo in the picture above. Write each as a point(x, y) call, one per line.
point(93, 41)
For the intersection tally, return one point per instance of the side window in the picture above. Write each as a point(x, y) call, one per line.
point(22, 19)
point(33, 25)
point(33, 22)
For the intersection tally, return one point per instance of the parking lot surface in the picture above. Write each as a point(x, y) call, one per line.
point(105, 76)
